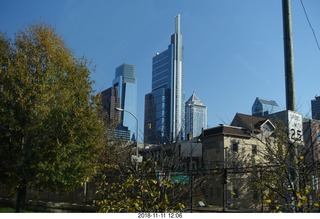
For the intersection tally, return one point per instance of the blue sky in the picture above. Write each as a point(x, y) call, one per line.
point(233, 50)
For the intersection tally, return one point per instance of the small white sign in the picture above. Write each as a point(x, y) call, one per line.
point(295, 127)
point(137, 159)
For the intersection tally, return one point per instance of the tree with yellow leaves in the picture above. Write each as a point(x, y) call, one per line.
point(50, 130)
point(284, 175)
point(152, 187)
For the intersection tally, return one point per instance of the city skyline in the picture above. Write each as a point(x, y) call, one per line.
point(233, 49)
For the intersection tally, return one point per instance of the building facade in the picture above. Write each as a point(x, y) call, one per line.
point(126, 84)
point(263, 107)
point(164, 106)
point(195, 116)
point(224, 150)
point(110, 101)
point(315, 108)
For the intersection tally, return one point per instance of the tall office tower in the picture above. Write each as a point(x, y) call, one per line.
point(262, 107)
point(315, 108)
point(164, 113)
point(196, 116)
point(125, 83)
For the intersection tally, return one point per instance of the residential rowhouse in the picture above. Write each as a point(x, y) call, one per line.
point(229, 155)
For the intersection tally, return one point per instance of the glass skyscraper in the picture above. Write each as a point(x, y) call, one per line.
point(196, 116)
point(126, 84)
point(262, 107)
point(164, 113)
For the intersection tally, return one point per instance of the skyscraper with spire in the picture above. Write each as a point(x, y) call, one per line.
point(164, 106)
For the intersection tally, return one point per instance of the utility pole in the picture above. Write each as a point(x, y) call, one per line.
point(288, 56)
point(290, 91)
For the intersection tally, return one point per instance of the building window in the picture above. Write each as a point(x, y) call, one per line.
point(235, 193)
point(254, 149)
point(235, 147)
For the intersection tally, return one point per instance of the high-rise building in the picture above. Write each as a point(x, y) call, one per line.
point(110, 101)
point(196, 116)
point(164, 106)
point(315, 108)
point(126, 84)
point(263, 107)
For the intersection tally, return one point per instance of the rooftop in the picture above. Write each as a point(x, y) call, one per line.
point(227, 130)
point(194, 100)
point(267, 102)
point(248, 122)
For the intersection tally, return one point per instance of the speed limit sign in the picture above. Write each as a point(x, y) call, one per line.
point(295, 126)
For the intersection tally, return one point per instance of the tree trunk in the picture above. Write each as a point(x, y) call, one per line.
point(21, 199)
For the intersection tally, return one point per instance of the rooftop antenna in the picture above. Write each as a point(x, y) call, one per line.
point(177, 24)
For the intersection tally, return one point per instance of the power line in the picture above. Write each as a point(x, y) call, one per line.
point(314, 34)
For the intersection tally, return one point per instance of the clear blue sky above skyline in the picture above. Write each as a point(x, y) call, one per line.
point(233, 49)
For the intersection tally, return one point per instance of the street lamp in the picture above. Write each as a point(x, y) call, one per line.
point(137, 150)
